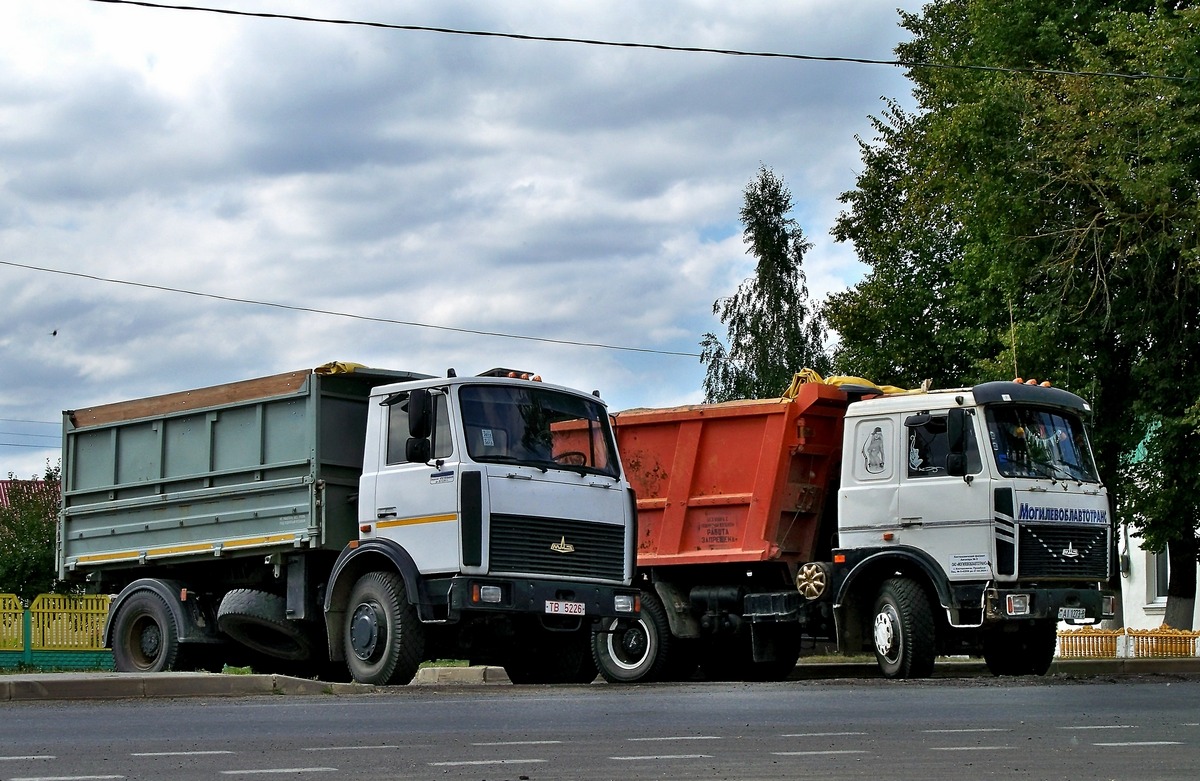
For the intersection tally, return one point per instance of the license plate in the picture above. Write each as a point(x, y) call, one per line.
point(1072, 612)
point(565, 608)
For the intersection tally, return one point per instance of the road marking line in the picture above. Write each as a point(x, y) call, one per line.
point(1142, 743)
point(980, 729)
point(488, 762)
point(31, 756)
point(816, 753)
point(347, 748)
point(821, 734)
point(521, 743)
point(266, 771)
point(662, 756)
point(968, 748)
point(681, 737)
point(178, 753)
point(1105, 726)
point(66, 778)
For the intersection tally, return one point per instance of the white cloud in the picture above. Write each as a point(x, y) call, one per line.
point(569, 192)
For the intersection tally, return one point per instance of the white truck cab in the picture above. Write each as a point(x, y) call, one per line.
point(980, 507)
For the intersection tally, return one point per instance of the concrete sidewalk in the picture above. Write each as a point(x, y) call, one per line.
point(111, 685)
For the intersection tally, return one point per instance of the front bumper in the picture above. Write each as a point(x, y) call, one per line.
point(1074, 605)
point(470, 594)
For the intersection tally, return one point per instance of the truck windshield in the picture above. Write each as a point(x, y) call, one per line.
point(1039, 442)
point(538, 427)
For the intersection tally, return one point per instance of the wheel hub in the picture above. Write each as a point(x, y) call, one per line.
point(885, 633)
point(364, 631)
point(629, 648)
point(633, 643)
point(150, 641)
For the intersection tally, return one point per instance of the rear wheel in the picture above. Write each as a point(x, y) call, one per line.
point(145, 636)
point(904, 630)
point(384, 640)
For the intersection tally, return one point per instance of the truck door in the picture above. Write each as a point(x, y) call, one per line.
point(944, 515)
point(416, 504)
point(868, 499)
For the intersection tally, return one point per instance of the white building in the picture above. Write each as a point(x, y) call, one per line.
point(1144, 584)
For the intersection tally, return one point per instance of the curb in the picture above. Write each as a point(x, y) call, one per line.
point(114, 686)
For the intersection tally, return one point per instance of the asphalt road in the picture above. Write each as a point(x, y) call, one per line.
point(1144, 727)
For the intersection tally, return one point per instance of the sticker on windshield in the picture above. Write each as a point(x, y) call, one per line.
point(488, 439)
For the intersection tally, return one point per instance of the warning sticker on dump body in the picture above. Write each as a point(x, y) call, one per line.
point(970, 564)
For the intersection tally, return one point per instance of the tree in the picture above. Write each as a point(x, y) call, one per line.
point(1045, 224)
point(772, 330)
point(27, 529)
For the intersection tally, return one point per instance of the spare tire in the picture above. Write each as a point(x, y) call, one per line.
point(258, 620)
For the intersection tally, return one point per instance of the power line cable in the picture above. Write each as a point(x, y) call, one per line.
point(332, 313)
point(40, 422)
point(38, 447)
point(654, 46)
point(24, 434)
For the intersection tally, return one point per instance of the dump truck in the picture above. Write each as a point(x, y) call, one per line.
point(907, 524)
point(348, 521)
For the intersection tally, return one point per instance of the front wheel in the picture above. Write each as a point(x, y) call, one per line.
point(145, 636)
point(638, 651)
point(904, 630)
point(384, 639)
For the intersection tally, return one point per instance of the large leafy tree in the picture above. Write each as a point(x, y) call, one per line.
point(27, 528)
point(772, 329)
point(1040, 218)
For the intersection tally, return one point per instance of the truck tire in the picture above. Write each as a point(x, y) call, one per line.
point(384, 639)
point(639, 652)
point(258, 620)
point(145, 636)
point(904, 630)
point(1027, 651)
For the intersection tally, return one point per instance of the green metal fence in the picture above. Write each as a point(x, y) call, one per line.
point(55, 632)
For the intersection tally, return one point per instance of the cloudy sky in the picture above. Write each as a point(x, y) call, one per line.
point(443, 200)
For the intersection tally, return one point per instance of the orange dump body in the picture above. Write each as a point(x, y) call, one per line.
point(739, 481)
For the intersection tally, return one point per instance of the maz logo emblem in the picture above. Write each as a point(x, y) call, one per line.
point(562, 546)
point(1070, 551)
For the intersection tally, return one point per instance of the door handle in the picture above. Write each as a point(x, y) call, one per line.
point(385, 512)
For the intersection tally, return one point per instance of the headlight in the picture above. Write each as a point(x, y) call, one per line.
point(624, 603)
point(1017, 604)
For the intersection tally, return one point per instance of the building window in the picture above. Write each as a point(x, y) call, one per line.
point(1158, 591)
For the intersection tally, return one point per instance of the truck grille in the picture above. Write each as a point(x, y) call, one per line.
point(1063, 552)
point(553, 546)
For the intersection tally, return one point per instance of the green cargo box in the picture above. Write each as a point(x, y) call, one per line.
point(249, 468)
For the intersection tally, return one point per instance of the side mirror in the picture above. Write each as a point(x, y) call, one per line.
point(420, 414)
point(417, 451)
point(956, 442)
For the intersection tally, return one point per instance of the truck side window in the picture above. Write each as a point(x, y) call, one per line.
point(443, 445)
point(928, 446)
